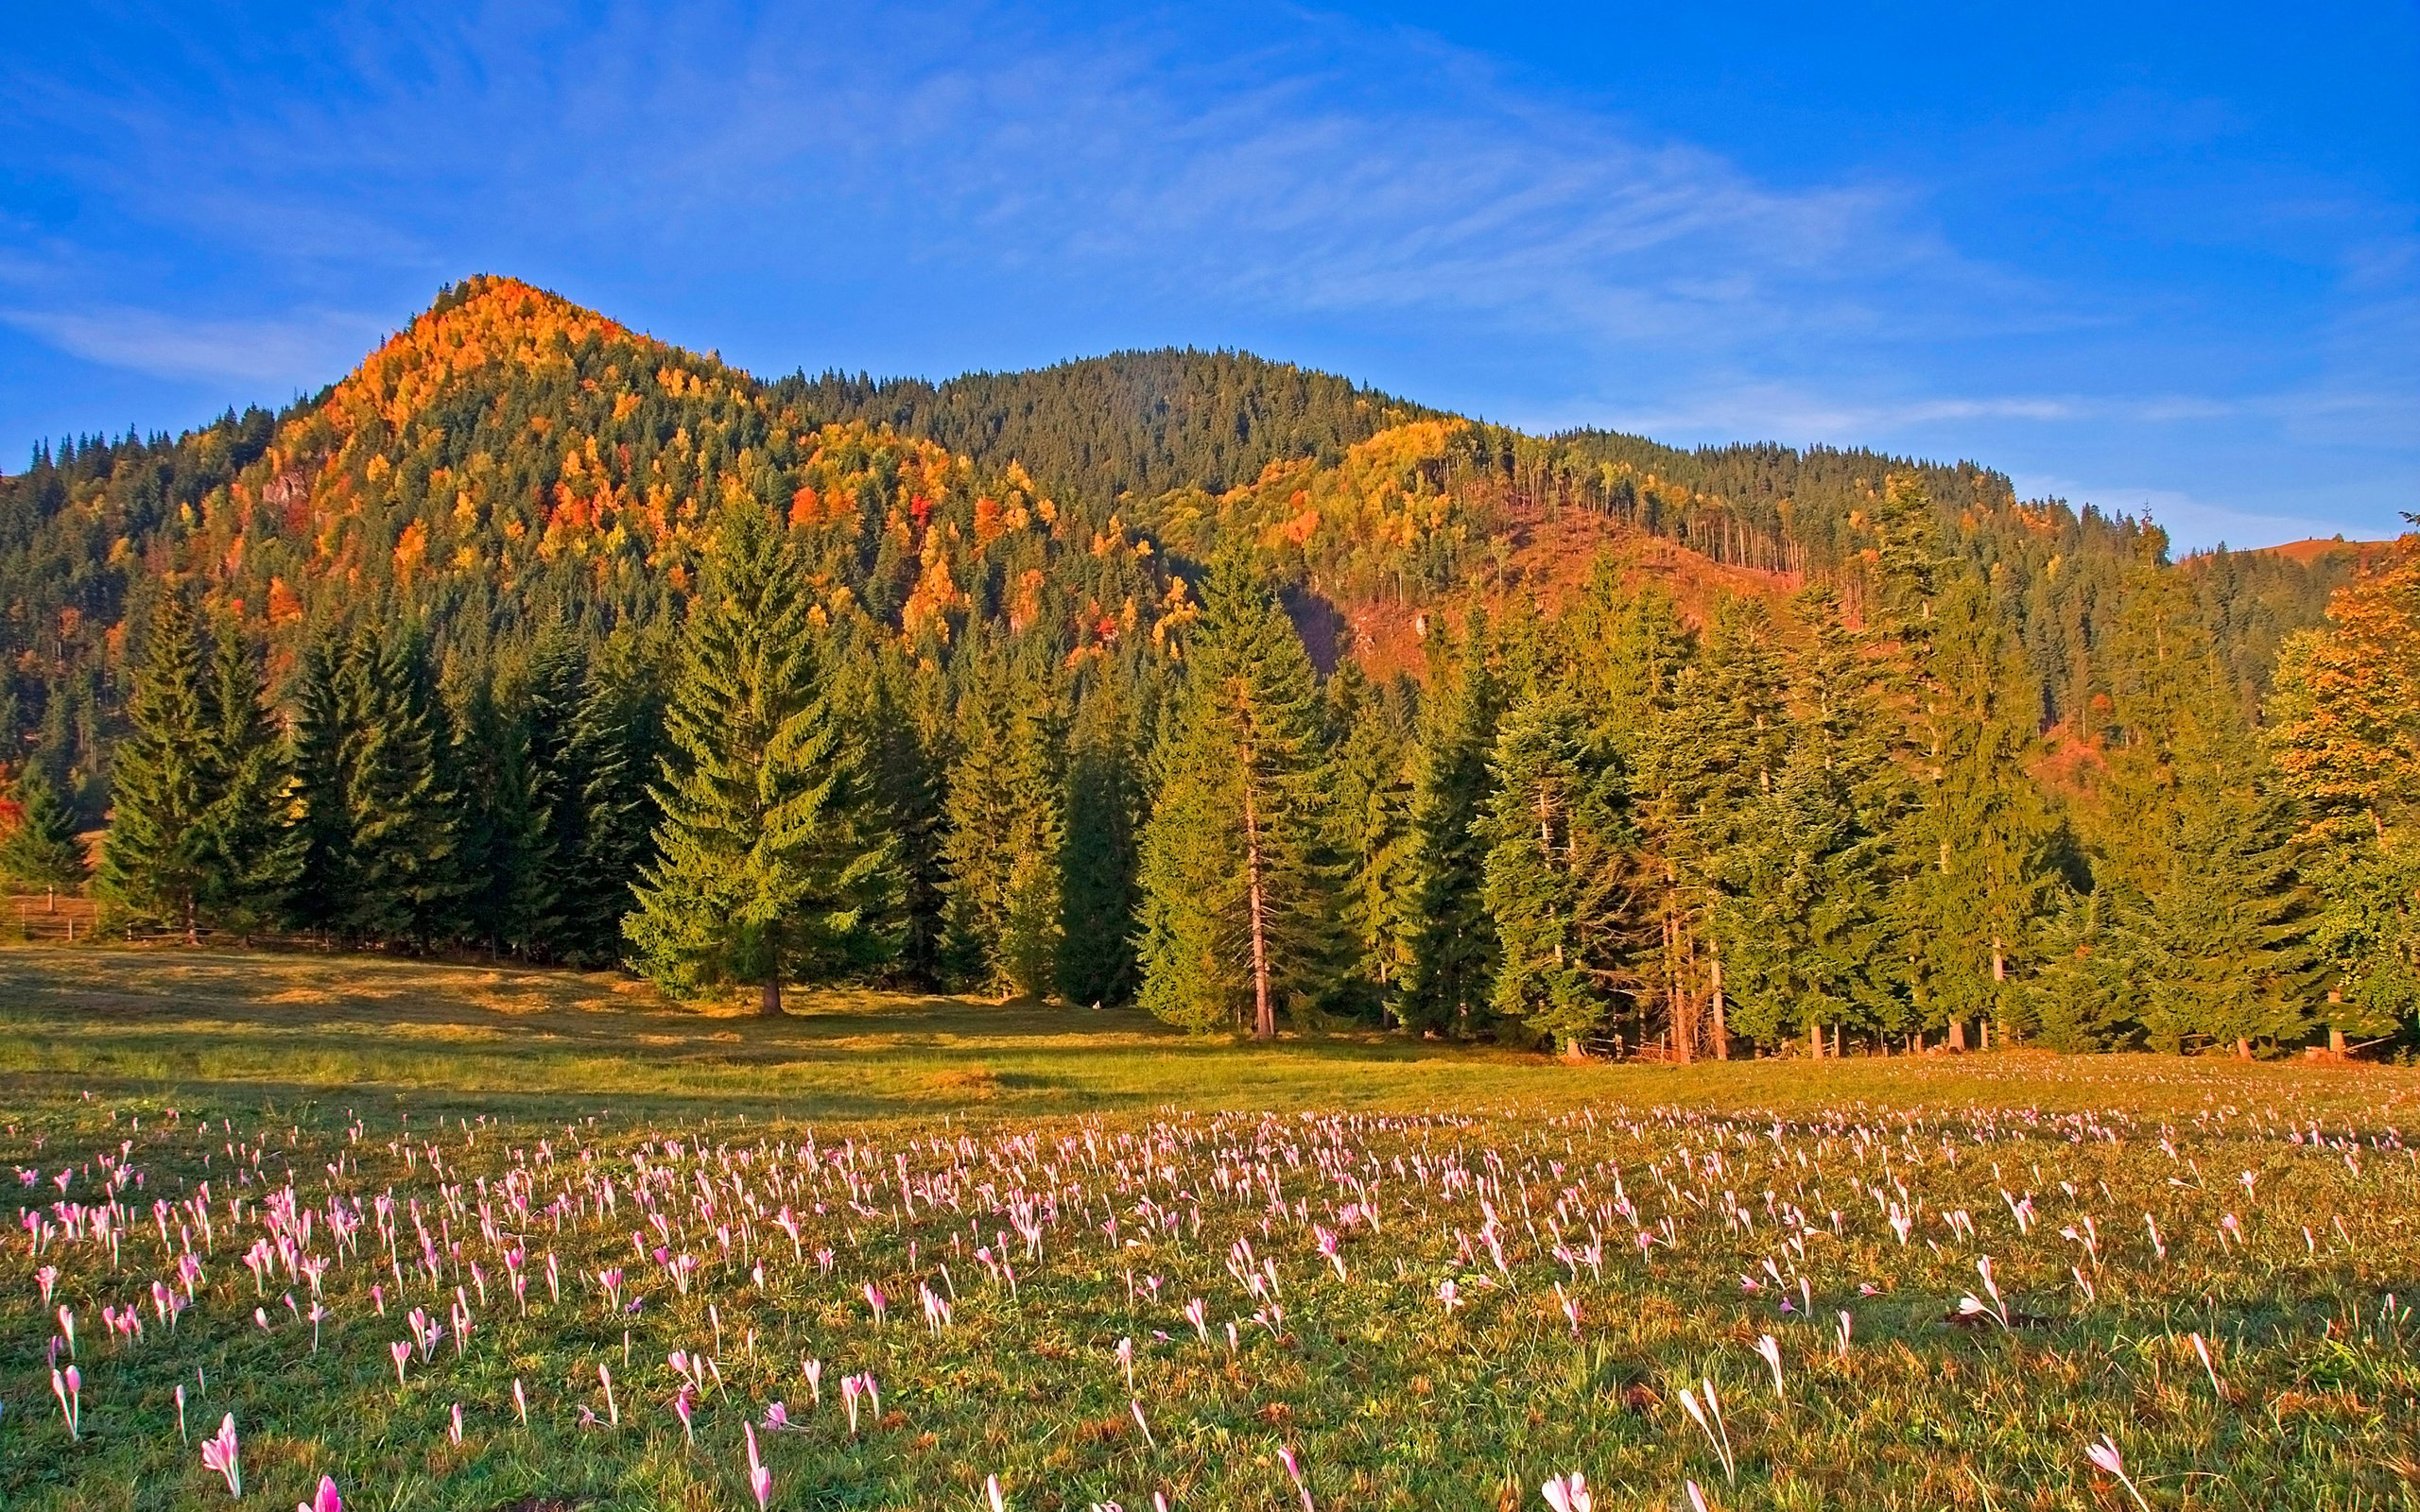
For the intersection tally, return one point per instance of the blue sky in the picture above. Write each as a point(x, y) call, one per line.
point(2144, 256)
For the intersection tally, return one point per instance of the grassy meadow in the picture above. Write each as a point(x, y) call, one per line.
point(911, 1246)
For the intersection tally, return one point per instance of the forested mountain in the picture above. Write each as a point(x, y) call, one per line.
point(1081, 681)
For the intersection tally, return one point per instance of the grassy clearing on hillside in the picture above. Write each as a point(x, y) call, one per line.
point(1448, 1274)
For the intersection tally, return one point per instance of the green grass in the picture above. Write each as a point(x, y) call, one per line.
point(304, 1064)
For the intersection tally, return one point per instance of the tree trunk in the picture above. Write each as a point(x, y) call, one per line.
point(2336, 1041)
point(1957, 1035)
point(1815, 1041)
point(1721, 1029)
point(1263, 1022)
point(2242, 1048)
point(770, 1004)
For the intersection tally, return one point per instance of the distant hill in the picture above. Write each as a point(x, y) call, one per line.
point(2314, 549)
point(510, 460)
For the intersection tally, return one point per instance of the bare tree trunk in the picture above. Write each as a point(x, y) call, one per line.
point(770, 1003)
point(1264, 1023)
point(1958, 1035)
point(1721, 1029)
point(1815, 1041)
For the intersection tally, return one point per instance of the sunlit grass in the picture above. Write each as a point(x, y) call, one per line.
point(1136, 1161)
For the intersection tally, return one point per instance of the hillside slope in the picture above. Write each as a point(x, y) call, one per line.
point(510, 460)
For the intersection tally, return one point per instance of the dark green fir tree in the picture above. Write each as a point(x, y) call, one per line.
point(772, 865)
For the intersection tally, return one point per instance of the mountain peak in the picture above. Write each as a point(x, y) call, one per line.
point(482, 322)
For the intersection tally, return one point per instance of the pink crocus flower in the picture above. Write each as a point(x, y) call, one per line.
point(1294, 1469)
point(760, 1480)
point(68, 1388)
point(325, 1500)
point(1568, 1493)
point(223, 1454)
point(2104, 1454)
point(1769, 1349)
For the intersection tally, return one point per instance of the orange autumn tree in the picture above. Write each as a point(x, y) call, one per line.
point(2344, 728)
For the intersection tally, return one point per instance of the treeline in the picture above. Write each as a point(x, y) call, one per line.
point(378, 804)
point(1607, 830)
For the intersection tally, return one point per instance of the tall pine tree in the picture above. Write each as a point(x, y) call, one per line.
point(773, 866)
point(1006, 836)
point(155, 861)
point(1236, 904)
point(252, 849)
point(43, 849)
point(1563, 877)
point(1450, 975)
point(1104, 808)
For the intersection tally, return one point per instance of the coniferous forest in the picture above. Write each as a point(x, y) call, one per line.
point(1208, 683)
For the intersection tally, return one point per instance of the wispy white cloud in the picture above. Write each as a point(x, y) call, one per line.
point(1333, 168)
point(294, 353)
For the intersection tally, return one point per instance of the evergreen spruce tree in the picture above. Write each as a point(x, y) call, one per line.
point(155, 860)
point(319, 757)
point(401, 813)
point(616, 747)
point(1563, 878)
point(550, 847)
point(1704, 761)
point(1627, 653)
point(908, 748)
point(1004, 838)
point(2201, 855)
point(252, 849)
point(1236, 908)
point(2078, 1000)
point(1980, 841)
point(772, 866)
point(1450, 973)
point(492, 809)
point(1103, 806)
point(43, 849)
point(1373, 735)
point(2221, 945)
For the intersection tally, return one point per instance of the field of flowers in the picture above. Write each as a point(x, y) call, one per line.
point(2048, 1292)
